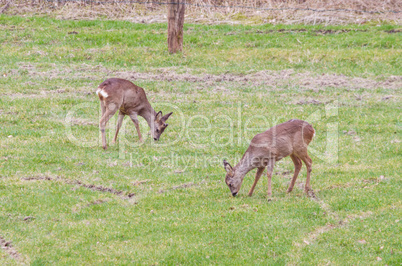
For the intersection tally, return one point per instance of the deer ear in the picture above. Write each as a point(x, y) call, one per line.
point(228, 167)
point(158, 116)
point(165, 117)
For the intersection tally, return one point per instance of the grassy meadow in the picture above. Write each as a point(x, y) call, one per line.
point(64, 200)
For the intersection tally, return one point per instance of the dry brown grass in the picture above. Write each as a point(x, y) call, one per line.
point(207, 11)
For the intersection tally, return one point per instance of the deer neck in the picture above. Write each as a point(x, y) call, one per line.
point(149, 115)
point(243, 167)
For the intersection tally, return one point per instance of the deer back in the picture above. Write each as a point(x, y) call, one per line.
point(126, 95)
point(282, 140)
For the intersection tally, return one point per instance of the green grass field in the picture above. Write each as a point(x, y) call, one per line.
point(64, 200)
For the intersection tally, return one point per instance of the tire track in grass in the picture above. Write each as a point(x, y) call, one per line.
point(9, 249)
point(343, 222)
point(320, 202)
point(120, 193)
point(312, 236)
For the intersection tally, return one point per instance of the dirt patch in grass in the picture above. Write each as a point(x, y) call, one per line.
point(32, 178)
point(91, 203)
point(265, 78)
point(2, 112)
point(9, 249)
point(317, 32)
point(96, 202)
point(28, 218)
point(270, 79)
point(387, 97)
point(123, 194)
point(394, 31)
point(102, 188)
point(324, 32)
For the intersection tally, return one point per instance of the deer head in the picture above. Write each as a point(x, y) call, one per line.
point(160, 124)
point(233, 183)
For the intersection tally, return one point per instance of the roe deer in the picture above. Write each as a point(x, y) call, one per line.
point(120, 94)
point(287, 139)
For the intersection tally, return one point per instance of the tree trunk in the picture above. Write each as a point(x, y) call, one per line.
point(175, 26)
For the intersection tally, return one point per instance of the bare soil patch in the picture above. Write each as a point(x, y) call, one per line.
point(317, 32)
point(91, 203)
point(28, 218)
point(96, 202)
point(9, 249)
point(123, 194)
point(102, 189)
point(271, 79)
point(266, 78)
point(394, 31)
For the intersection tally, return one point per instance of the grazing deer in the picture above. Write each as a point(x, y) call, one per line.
point(120, 94)
point(288, 139)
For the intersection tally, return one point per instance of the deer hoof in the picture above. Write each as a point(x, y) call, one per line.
point(289, 190)
point(105, 147)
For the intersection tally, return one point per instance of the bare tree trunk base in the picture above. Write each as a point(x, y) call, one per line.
point(175, 26)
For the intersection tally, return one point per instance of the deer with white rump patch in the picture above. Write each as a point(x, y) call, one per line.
point(287, 139)
point(120, 94)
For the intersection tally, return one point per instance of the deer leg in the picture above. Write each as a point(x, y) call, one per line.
point(270, 169)
point(298, 165)
point(257, 177)
point(137, 125)
point(102, 124)
point(103, 107)
point(119, 123)
point(308, 162)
